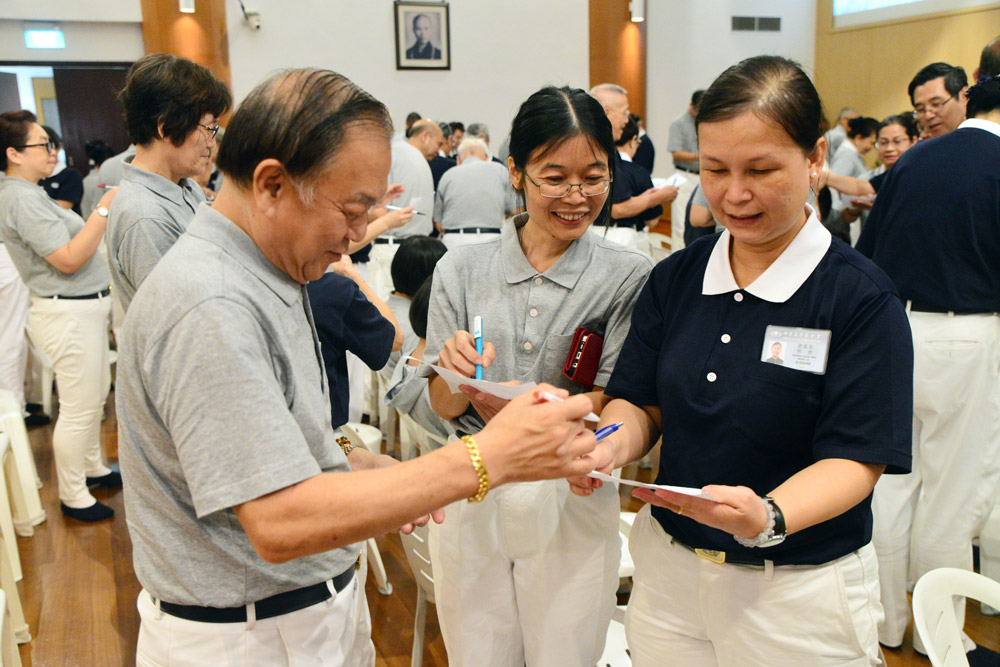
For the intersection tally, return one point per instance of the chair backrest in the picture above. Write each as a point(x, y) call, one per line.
point(420, 435)
point(659, 246)
point(419, 557)
point(351, 431)
point(934, 611)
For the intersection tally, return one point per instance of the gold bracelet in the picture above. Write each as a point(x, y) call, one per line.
point(477, 463)
point(345, 444)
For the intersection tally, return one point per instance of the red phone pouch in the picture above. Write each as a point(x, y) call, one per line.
point(584, 357)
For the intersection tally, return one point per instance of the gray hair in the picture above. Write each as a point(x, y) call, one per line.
point(472, 145)
point(607, 88)
point(445, 129)
point(300, 118)
point(847, 110)
point(478, 130)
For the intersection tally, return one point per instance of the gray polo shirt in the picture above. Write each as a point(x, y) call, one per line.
point(111, 171)
point(684, 137)
point(33, 226)
point(221, 399)
point(410, 167)
point(530, 317)
point(148, 215)
point(473, 194)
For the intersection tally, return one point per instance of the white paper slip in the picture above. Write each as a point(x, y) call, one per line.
point(688, 491)
point(504, 391)
point(674, 180)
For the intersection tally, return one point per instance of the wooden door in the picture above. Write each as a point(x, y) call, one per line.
point(89, 108)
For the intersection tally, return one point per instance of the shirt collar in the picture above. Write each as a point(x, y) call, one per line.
point(981, 124)
point(785, 275)
point(154, 182)
point(469, 159)
point(565, 272)
point(624, 157)
point(210, 225)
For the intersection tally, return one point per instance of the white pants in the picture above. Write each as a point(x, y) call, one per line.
point(380, 267)
point(630, 237)
point(678, 209)
point(685, 610)
point(945, 501)
point(74, 334)
point(454, 240)
point(14, 303)
point(334, 633)
point(528, 576)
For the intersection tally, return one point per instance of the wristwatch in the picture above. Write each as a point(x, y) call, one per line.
point(774, 530)
point(102, 211)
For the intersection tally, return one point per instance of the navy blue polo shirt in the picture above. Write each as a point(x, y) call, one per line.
point(346, 321)
point(935, 225)
point(634, 180)
point(695, 350)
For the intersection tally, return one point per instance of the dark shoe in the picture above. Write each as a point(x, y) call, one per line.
point(33, 407)
point(113, 480)
point(96, 512)
point(37, 420)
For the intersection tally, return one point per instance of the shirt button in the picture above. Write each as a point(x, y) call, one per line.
point(726, 338)
point(527, 347)
point(533, 312)
point(712, 377)
point(738, 297)
point(538, 281)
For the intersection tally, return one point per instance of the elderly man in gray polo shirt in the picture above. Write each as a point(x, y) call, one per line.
point(172, 107)
point(472, 199)
point(683, 141)
point(246, 520)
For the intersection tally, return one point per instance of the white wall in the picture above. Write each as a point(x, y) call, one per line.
point(690, 43)
point(115, 11)
point(85, 42)
point(502, 51)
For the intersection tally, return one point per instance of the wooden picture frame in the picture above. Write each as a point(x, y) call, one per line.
point(423, 35)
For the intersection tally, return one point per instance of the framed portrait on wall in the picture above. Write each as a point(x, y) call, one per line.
point(422, 35)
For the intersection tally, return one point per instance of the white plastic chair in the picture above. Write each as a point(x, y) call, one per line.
point(615, 646)
point(20, 468)
point(659, 246)
point(414, 437)
point(934, 611)
point(369, 437)
point(9, 655)
point(989, 553)
point(386, 413)
point(419, 557)
point(19, 627)
point(626, 568)
point(41, 361)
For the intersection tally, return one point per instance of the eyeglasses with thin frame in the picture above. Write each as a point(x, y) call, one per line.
point(560, 190)
point(897, 142)
point(933, 106)
point(212, 129)
point(49, 146)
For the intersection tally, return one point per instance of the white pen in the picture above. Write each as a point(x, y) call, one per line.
point(400, 208)
point(546, 396)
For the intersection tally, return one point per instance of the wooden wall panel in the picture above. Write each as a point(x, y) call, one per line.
point(618, 50)
point(201, 37)
point(869, 67)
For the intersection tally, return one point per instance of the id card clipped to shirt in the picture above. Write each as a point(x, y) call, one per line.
point(796, 348)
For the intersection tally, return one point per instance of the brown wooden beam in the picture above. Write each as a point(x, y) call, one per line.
point(618, 50)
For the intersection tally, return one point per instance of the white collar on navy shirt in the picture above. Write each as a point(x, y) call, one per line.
point(981, 124)
point(624, 157)
point(785, 275)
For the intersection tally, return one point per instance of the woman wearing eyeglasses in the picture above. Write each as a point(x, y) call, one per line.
point(55, 252)
point(529, 575)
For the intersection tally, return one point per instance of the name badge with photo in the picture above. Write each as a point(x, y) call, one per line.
point(796, 348)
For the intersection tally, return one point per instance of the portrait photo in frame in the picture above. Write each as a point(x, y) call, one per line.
point(423, 39)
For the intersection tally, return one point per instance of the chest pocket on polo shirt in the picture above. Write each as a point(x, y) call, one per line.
point(778, 406)
point(553, 356)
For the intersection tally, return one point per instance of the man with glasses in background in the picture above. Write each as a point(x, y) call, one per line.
point(937, 93)
point(172, 109)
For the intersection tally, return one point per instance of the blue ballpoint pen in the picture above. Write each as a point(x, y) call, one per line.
point(477, 332)
point(602, 433)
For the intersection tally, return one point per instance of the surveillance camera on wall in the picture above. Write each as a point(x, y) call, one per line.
point(253, 20)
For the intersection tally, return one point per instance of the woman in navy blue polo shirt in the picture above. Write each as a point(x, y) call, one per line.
point(777, 568)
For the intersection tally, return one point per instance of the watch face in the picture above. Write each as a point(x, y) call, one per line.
point(102, 211)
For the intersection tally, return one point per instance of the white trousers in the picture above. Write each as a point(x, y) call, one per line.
point(678, 208)
point(630, 237)
point(459, 239)
point(74, 334)
point(14, 303)
point(334, 633)
point(944, 503)
point(380, 267)
point(528, 576)
point(685, 610)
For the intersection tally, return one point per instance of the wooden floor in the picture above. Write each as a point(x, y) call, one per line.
point(79, 589)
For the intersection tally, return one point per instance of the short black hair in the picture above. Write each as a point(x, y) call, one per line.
point(14, 129)
point(412, 118)
point(989, 59)
point(457, 126)
point(299, 118)
point(98, 151)
point(420, 306)
point(172, 91)
point(862, 126)
point(983, 98)
point(773, 88)
point(53, 136)
point(629, 132)
point(905, 120)
point(954, 78)
point(414, 262)
point(550, 117)
point(696, 97)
